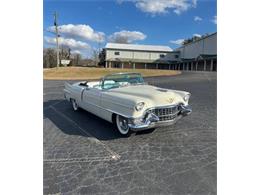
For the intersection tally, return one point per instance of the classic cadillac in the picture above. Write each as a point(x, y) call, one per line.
point(125, 100)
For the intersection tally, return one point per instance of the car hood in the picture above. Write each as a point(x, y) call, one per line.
point(151, 95)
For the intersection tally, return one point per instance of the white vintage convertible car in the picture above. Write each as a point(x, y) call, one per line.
point(125, 100)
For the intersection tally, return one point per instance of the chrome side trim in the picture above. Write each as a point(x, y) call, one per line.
point(109, 110)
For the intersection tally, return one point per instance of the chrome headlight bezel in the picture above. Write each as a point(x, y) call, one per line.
point(139, 106)
point(186, 97)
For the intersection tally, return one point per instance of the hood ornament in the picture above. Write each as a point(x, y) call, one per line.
point(170, 100)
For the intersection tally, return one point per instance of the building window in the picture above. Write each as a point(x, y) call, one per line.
point(117, 53)
point(176, 56)
point(162, 55)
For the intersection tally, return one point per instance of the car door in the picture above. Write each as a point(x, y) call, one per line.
point(91, 100)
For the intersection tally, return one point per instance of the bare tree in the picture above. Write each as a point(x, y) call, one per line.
point(76, 59)
point(95, 56)
point(49, 58)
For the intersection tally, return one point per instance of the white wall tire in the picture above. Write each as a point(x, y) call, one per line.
point(122, 125)
point(74, 105)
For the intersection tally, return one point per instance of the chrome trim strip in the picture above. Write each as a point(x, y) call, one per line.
point(118, 104)
point(109, 110)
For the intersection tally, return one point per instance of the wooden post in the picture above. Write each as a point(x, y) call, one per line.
point(205, 65)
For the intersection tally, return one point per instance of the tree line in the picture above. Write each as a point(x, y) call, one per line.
point(76, 59)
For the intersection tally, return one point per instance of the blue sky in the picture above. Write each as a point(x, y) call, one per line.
point(86, 25)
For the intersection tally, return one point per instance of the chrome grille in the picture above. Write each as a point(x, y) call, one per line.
point(165, 113)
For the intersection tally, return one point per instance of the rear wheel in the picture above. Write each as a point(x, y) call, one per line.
point(122, 125)
point(74, 105)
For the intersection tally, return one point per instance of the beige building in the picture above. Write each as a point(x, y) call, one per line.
point(139, 56)
point(198, 55)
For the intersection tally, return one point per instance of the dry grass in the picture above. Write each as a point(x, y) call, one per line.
point(81, 73)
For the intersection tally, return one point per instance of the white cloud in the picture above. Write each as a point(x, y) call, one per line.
point(76, 52)
point(163, 6)
point(125, 36)
point(79, 31)
point(196, 35)
point(214, 20)
point(197, 19)
point(71, 43)
point(177, 42)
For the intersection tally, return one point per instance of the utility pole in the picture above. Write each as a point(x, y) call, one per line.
point(98, 53)
point(57, 38)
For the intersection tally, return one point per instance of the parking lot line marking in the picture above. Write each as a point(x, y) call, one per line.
point(114, 155)
point(52, 105)
point(77, 160)
point(55, 93)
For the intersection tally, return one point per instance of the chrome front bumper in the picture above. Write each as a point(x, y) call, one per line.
point(151, 120)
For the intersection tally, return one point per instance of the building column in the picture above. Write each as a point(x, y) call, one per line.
point(133, 65)
point(211, 65)
point(169, 67)
point(197, 65)
point(106, 65)
point(205, 65)
point(188, 64)
point(109, 64)
point(191, 66)
point(156, 66)
point(145, 66)
point(122, 65)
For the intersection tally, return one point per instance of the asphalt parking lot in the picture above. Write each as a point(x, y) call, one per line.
point(85, 155)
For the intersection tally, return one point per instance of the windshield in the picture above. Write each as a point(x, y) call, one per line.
point(122, 79)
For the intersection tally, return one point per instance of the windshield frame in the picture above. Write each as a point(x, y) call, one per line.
point(115, 74)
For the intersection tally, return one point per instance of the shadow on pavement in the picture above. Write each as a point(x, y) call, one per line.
point(80, 123)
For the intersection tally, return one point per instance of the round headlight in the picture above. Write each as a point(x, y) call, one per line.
point(186, 97)
point(139, 106)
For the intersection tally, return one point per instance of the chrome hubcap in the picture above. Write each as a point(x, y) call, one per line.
point(123, 125)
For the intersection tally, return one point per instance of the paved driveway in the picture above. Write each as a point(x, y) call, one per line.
point(85, 155)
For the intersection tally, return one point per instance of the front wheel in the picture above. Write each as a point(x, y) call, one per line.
point(74, 105)
point(122, 125)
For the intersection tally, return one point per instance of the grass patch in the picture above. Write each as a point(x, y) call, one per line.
point(82, 73)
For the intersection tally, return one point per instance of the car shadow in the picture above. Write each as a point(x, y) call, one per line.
point(81, 123)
